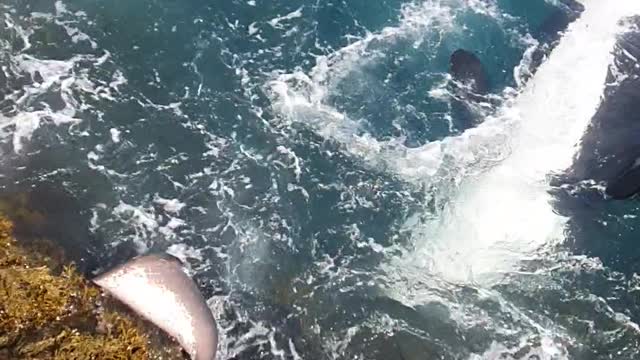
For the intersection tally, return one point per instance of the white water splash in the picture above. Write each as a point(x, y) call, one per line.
point(503, 213)
point(303, 97)
point(64, 79)
point(298, 92)
point(56, 76)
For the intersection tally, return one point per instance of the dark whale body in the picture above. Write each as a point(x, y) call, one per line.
point(471, 81)
point(605, 169)
point(552, 27)
point(469, 87)
point(610, 148)
point(549, 30)
point(465, 67)
point(626, 185)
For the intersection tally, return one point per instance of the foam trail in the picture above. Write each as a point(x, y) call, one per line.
point(504, 213)
point(297, 94)
point(417, 19)
point(303, 97)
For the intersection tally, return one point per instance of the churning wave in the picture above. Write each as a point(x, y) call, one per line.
point(304, 159)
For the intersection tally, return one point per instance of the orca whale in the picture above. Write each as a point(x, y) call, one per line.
point(549, 32)
point(610, 148)
point(563, 15)
point(591, 193)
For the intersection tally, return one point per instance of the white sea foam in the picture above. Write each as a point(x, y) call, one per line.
point(173, 206)
point(143, 221)
point(275, 22)
point(115, 135)
point(56, 76)
point(304, 97)
point(299, 92)
point(489, 183)
point(547, 350)
point(65, 78)
point(502, 213)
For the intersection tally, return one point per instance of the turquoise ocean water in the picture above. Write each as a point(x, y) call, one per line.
point(310, 162)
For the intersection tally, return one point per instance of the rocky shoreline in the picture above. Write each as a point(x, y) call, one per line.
point(48, 310)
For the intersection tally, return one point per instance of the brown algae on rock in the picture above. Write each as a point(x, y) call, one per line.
point(49, 314)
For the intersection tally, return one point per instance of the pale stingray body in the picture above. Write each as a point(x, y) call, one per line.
point(157, 289)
